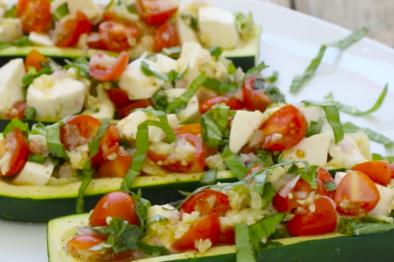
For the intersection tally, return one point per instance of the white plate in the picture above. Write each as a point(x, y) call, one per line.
point(289, 41)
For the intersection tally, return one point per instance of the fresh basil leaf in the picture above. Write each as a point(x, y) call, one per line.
point(351, 39)
point(389, 159)
point(132, 9)
point(315, 127)
point(94, 144)
point(274, 93)
point(308, 174)
point(357, 112)
point(265, 158)
point(268, 194)
point(173, 52)
point(209, 177)
point(30, 113)
point(18, 124)
point(372, 135)
point(257, 69)
point(180, 102)
point(142, 206)
point(148, 71)
point(216, 52)
point(60, 12)
point(23, 41)
point(11, 12)
point(263, 229)
point(32, 74)
point(55, 146)
point(219, 86)
point(160, 100)
point(233, 162)
point(231, 69)
point(242, 243)
point(81, 65)
point(37, 158)
point(272, 79)
point(153, 251)
point(213, 125)
point(359, 227)
point(87, 175)
point(330, 186)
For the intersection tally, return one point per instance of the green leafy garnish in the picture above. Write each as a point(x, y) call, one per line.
point(173, 52)
point(30, 113)
point(363, 226)
point(357, 112)
point(388, 143)
point(257, 69)
point(242, 243)
point(60, 12)
point(213, 125)
point(23, 41)
point(233, 162)
point(351, 39)
point(216, 52)
point(315, 127)
point(160, 100)
point(52, 136)
point(18, 124)
point(94, 144)
point(190, 21)
point(330, 186)
point(32, 74)
point(153, 251)
point(209, 177)
point(219, 86)
point(87, 175)
point(11, 12)
point(81, 65)
point(261, 230)
point(148, 71)
point(142, 206)
point(265, 158)
point(389, 159)
point(37, 158)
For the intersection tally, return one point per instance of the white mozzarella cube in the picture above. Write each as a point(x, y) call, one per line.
point(11, 91)
point(191, 111)
point(54, 98)
point(88, 7)
point(105, 107)
point(384, 206)
point(313, 149)
point(128, 126)
point(40, 39)
point(217, 27)
point(186, 33)
point(242, 127)
point(10, 29)
point(35, 174)
point(140, 86)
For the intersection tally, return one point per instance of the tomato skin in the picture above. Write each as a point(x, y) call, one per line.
point(109, 145)
point(194, 129)
point(18, 145)
point(231, 102)
point(356, 194)
point(116, 205)
point(17, 110)
point(80, 245)
point(166, 36)
point(378, 171)
point(254, 99)
point(117, 167)
point(116, 36)
point(392, 170)
point(35, 59)
point(206, 227)
point(323, 220)
point(35, 15)
point(227, 236)
point(78, 130)
point(118, 97)
point(324, 177)
point(111, 73)
point(207, 202)
point(69, 30)
point(284, 129)
point(156, 12)
point(125, 111)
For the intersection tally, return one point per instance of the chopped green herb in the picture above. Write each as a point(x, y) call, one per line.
point(32, 74)
point(373, 135)
point(231, 69)
point(315, 127)
point(308, 174)
point(351, 39)
point(209, 177)
point(80, 64)
point(61, 12)
point(235, 165)
point(173, 52)
point(30, 113)
point(265, 158)
point(354, 227)
point(160, 100)
point(213, 125)
point(38, 129)
point(257, 69)
point(36, 158)
point(219, 86)
point(242, 243)
point(216, 52)
point(263, 229)
point(87, 175)
point(11, 12)
point(190, 21)
point(55, 146)
point(268, 194)
point(18, 124)
point(274, 93)
point(153, 251)
point(389, 159)
point(148, 71)
point(142, 209)
point(94, 144)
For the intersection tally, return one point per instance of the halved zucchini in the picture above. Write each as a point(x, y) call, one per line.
point(330, 247)
point(41, 203)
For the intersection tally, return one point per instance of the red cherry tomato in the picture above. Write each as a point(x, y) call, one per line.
point(321, 221)
point(94, 41)
point(78, 130)
point(69, 30)
point(323, 180)
point(378, 171)
point(15, 142)
point(392, 170)
point(166, 36)
point(231, 102)
point(117, 167)
point(207, 202)
point(109, 146)
point(125, 111)
point(116, 36)
point(298, 188)
point(17, 111)
point(284, 129)
point(227, 236)
point(80, 245)
point(35, 59)
point(35, 15)
point(356, 194)
point(116, 205)
point(110, 72)
point(206, 227)
point(118, 97)
point(254, 99)
point(194, 129)
point(156, 12)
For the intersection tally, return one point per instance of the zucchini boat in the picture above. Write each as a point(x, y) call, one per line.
point(121, 26)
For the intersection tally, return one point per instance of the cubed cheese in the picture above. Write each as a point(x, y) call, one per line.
point(140, 86)
point(242, 128)
point(35, 174)
point(186, 33)
point(191, 111)
point(312, 149)
point(128, 126)
point(40, 39)
point(105, 109)
point(56, 97)
point(314, 114)
point(384, 206)
point(88, 7)
point(217, 27)
point(11, 90)
point(10, 29)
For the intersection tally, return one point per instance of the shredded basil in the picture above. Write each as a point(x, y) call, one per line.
point(173, 52)
point(214, 124)
point(265, 158)
point(32, 74)
point(16, 124)
point(142, 206)
point(363, 227)
point(219, 86)
point(209, 177)
point(263, 229)
point(81, 65)
point(242, 243)
point(160, 100)
point(55, 146)
point(216, 52)
point(153, 251)
point(372, 135)
point(37, 158)
point(30, 113)
point(60, 12)
point(94, 144)
point(23, 41)
point(257, 69)
point(315, 127)
point(357, 112)
point(87, 175)
point(330, 186)
point(233, 162)
point(351, 39)
point(11, 12)
point(190, 21)
point(389, 159)
point(148, 71)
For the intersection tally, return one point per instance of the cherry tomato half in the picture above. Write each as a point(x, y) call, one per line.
point(35, 59)
point(378, 171)
point(254, 99)
point(117, 36)
point(125, 111)
point(207, 202)
point(231, 102)
point(284, 129)
point(116, 205)
point(356, 194)
point(68, 30)
point(166, 36)
point(156, 12)
point(35, 15)
point(117, 167)
point(109, 72)
point(194, 129)
point(15, 142)
point(80, 245)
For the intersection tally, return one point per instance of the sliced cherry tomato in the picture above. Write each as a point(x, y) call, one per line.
point(378, 171)
point(231, 102)
point(194, 129)
point(117, 167)
point(156, 12)
point(116, 205)
point(254, 99)
point(17, 110)
point(80, 245)
point(69, 30)
point(15, 142)
point(94, 41)
point(35, 15)
point(109, 147)
point(325, 183)
point(125, 111)
point(227, 236)
point(206, 227)
point(118, 97)
point(284, 129)
point(321, 221)
point(207, 202)
point(118, 36)
point(110, 72)
point(35, 59)
point(166, 36)
point(78, 130)
point(356, 194)
point(286, 199)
